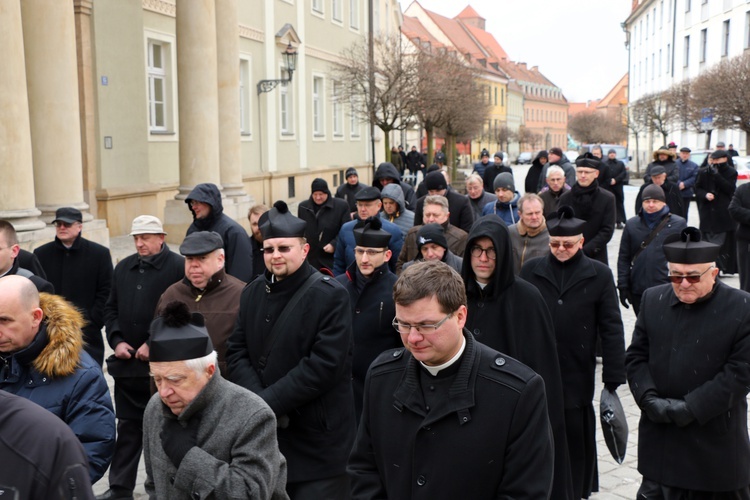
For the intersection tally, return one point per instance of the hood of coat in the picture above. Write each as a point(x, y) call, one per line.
point(492, 227)
point(62, 354)
point(207, 193)
point(386, 170)
point(539, 156)
point(395, 193)
point(671, 156)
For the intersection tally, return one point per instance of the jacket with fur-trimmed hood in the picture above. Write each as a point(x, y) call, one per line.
point(237, 249)
point(56, 373)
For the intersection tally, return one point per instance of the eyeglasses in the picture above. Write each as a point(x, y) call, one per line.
point(60, 223)
point(565, 244)
point(281, 249)
point(477, 251)
point(371, 252)
point(691, 278)
point(405, 328)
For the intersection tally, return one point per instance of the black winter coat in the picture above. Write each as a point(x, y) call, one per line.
point(510, 316)
point(348, 193)
point(491, 441)
point(673, 172)
point(722, 182)
point(136, 287)
point(672, 194)
point(600, 221)
point(323, 228)
point(238, 254)
point(307, 372)
point(739, 210)
point(583, 308)
point(373, 311)
point(617, 171)
point(82, 274)
point(492, 171)
point(461, 213)
point(699, 353)
point(650, 268)
point(388, 171)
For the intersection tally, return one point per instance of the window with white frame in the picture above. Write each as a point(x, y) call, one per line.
point(244, 97)
point(317, 6)
point(747, 30)
point(338, 110)
point(354, 14)
point(286, 109)
point(653, 24)
point(653, 63)
point(686, 52)
point(317, 106)
point(725, 39)
point(353, 120)
point(661, 13)
point(336, 10)
point(158, 85)
point(669, 56)
point(703, 45)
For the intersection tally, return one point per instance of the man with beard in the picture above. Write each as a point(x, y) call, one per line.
point(509, 315)
point(478, 197)
point(594, 205)
point(206, 206)
point(665, 158)
point(641, 262)
point(672, 194)
point(618, 178)
point(715, 188)
point(432, 245)
point(687, 177)
point(554, 188)
point(324, 215)
point(535, 172)
point(458, 204)
point(348, 190)
point(687, 368)
point(493, 171)
point(369, 282)
point(580, 294)
point(529, 236)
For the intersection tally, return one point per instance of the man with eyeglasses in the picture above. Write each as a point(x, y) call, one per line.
point(368, 205)
point(369, 282)
point(446, 416)
point(581, 297)
point(555, 187)
point(81, 272)
point(687, 367)
point(292, 346)
point(508, 314)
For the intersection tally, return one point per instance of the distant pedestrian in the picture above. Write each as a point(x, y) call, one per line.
point(731, 152)
point(555, 186)
point(618, 174)
point(493, 170)
point(557, 157)
point(348, 190)
point(529, 237)
point(688, 175)
point(535, 172)
point(665, 158)
point(478, 197)
point(672, 194)
point(461, 214)
point(739, 210)
point(387, 173)
point(506, 205)
point(324, 215)
point(481, 166)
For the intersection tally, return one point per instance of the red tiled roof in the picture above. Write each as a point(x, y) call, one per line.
point(488, 41)
point(413, 28)
point(617, 93)
point(468, 13)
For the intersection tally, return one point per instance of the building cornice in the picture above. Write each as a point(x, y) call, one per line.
point(639, 10)
point(252, 33)
point(164, 7)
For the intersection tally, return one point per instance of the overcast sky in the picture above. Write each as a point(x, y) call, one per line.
point(577, 44)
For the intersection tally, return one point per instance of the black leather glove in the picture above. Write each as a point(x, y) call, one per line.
point(611, 387)
point(679, 412)
point(177, 440)
point(655, 408)
point(625, 297)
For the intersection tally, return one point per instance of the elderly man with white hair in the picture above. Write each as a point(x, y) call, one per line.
point(203, 436)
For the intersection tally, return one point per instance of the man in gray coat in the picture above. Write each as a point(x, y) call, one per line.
point(204, 437)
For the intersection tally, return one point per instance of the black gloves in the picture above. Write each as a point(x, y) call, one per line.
point(625, 297)
point(655, 408)
point(679, 412)
point(611, 387)
point(177, 440)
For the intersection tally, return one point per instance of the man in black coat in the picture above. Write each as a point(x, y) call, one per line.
point(207, 208)
point(415, 161)
point(580, 294)
point(492, 171)
point(688, 370)
point(672, 195)
point(594, 205)
point(739, 210)
point(641, 262)
point(348, 190)
point(324, 215)
point(714, 189)
point(256, 239)
point(81, 272)
point(448, 417)
point(618, 174)
point(292, 347)
point(665, 158)
point(508, 314)
point(461, 213)
point(387, 173)
point(137, 283)
point(369, 282)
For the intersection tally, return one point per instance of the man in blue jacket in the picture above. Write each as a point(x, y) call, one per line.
point(688, 174)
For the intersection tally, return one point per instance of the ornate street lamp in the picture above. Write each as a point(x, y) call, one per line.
point(290, 58)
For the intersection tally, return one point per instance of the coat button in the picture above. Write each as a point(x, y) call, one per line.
point(421, 481)
point(480, 305)
point(196, 495)
point(171, 479)
point(499, 361)
point(476, 331)
point(559, 301)
point(139, 287)
point(357, 311)
point(141, 271)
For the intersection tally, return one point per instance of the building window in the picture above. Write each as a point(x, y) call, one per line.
point(354, 14)
point(495, 96)
point(286, 107)
point(338, 111)
point(686, 52)
point(158, 85)
point(704, 42)
point(336, 10)
point(725, 39)
point(661, 13)
point(653, 24)
point(502, 97)
point(317, 106)
point(747, 30)
point(687, 5)
point(653, 63)
point(317, 6)
point(244, 97)
point(648, 17)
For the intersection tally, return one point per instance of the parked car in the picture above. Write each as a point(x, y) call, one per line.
point(742, 164)
point(524, 158)
point(699, 155)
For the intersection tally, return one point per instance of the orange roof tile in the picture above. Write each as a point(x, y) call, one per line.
point(488, 41)
point(468, 13)
point(617, 94)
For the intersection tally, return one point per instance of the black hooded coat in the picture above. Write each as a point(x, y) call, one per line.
point(237, 249)
point(386, 170)
point(510, 316)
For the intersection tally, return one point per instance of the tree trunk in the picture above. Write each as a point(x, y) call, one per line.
point(450, 146)
point(708, 138)
point(637, 155)
point(387, 134)
point(430, 146)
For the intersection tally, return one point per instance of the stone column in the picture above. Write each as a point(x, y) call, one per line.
point(197, 93)
point(17, 203)
point(52, 83)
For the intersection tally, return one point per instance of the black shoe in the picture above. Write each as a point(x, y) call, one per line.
point(619, 225)
point(115, 493)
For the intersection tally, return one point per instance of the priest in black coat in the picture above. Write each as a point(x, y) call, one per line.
point(509, 315)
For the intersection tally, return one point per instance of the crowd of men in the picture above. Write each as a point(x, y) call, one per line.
point(389, 341)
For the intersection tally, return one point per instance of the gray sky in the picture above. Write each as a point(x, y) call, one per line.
point(577, 44)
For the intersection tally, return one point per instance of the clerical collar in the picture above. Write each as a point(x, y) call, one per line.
point(434, 370)
point(481, 285)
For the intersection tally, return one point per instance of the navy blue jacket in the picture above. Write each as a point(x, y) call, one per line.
point(688, 175)
point(344, 255)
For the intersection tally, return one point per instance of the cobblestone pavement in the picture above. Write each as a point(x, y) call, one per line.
point(615, 481)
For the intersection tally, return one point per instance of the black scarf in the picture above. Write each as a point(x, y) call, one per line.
point(583, 199)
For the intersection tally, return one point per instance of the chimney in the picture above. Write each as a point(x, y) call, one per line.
point(535, 69)
point(522, 64)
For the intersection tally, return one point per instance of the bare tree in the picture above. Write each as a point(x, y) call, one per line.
point(388, 102)
point(504, 136)
point(638, 124)
point(659, 113)
point(527, 137)
point(466, 114)
point(595, 127)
